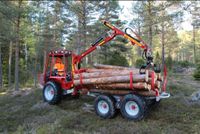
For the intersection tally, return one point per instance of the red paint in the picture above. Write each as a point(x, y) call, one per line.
point(52, 92)
point(165, 79)
point(131, 80)
point(153, 83)
point(152, 80)
point(157, 92)
point(81, 79)
point(104, 106)
point(133, 107)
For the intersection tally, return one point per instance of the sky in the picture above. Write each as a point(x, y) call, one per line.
point(126, 15)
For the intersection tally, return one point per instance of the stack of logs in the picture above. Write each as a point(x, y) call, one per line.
point(118, 80)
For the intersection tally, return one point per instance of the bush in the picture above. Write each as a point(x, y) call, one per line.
point(169, 62)
point(116, 59)
point(139, 62)
point(185, 63)
point(196, 74)
point(157, 59)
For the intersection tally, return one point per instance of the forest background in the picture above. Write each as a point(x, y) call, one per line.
point(30, 29)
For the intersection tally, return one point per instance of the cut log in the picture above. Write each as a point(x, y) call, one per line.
point(123, 86)
point(116, 80)
point(155, 75)
point(101, 66)
point(106, 74)
point(91, 70)
point(160, 78)
point(158, 75)
point(157, 83)
point(147, 93)
point(118, 92)
point(113, 79)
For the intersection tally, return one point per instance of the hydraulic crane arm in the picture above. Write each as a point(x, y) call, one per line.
point(126, 35)
point(114, 32)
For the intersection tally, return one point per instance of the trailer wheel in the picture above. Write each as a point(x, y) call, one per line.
point(52, 93)
point(104, 106)
point(133, 107)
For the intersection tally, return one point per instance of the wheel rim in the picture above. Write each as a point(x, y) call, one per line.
point(103, 107)
point(49, 92)
point(132, 108)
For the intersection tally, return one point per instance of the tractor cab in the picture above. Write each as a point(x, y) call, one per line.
point(58, 68)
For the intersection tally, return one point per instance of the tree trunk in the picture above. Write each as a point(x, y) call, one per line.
point(35, 66)
point(1, 73)
point(35, 73)
point(150, 34)
point(17, 66)
point(163, 45)
point(35, 70)
point(10, 63)
point(17, 48)
point(56, 33)
point(194, 46)
point(44, 60)
point(78, 48)
point(139, 51)
point(26, 64)
point(84, 29)
point(81, 40)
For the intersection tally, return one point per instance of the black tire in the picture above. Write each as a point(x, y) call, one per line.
point(104, 102)
point(54, 98)
point(139, 107)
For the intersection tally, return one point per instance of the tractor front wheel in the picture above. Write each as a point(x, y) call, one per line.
point(52, 93)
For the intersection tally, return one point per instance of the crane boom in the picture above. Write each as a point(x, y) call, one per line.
point(115, 32)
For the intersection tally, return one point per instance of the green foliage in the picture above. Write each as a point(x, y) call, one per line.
point(116, 58)
point(196, 74)
point(157, 59)
point(75, 25)
point(184, 63)
point(139, 62)
point(169, 62)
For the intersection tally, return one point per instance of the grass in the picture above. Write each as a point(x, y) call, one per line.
point(29, 114)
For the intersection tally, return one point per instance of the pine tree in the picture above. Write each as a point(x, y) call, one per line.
point(7, 17)
point(196, 74)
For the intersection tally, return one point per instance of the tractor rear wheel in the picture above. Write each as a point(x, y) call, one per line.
point(52, 93)
point(104, 106)
point(133, 107)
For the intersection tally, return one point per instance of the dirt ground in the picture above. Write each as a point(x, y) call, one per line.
point(25, 112)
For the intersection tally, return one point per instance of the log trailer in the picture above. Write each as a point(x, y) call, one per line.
point(132, 103)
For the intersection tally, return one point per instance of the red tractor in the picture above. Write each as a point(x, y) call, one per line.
point(61, 82)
